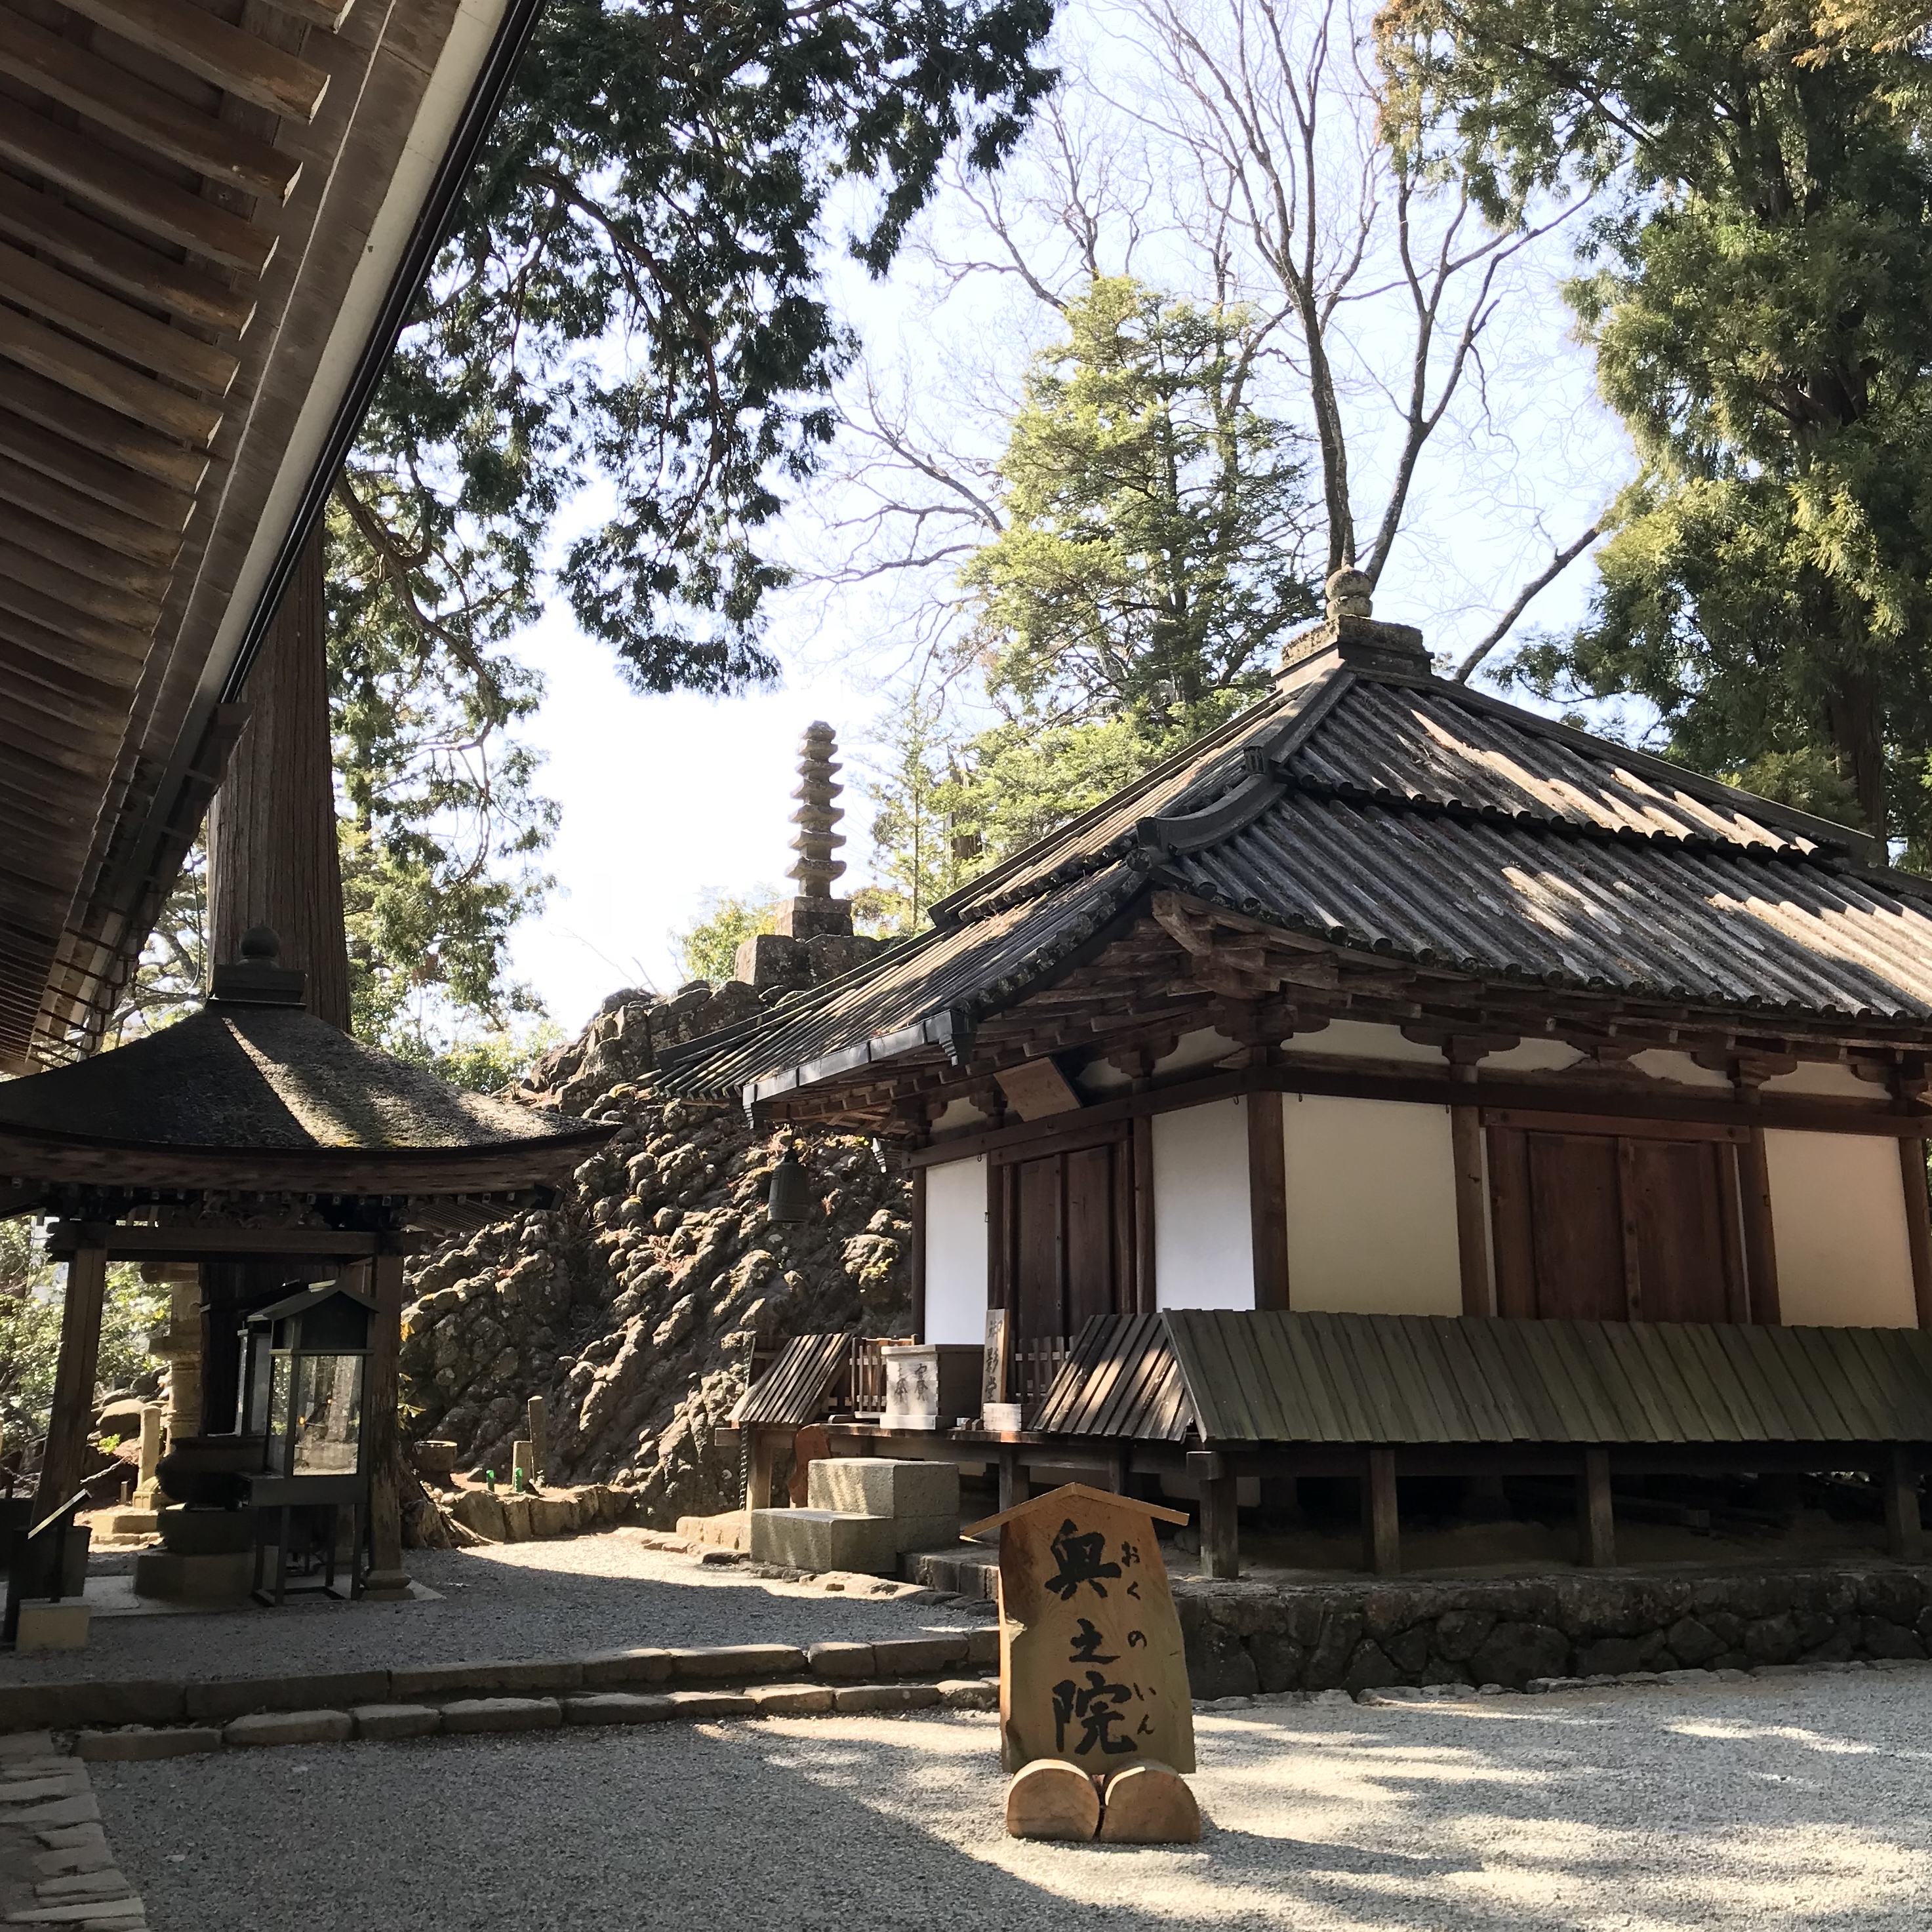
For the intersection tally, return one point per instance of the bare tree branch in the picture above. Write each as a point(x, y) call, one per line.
point(1557, 566)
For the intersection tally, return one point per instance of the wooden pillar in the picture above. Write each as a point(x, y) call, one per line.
point(383, 1445)
point(272, 851)
point(760, 1461)
point(1220, 1523)
point(1918, 1225)
point(66, 1452)
point(1472, 1214)
point(1904, 1533)
point(1146, 1299)
point(1267, 1199)
point(919, 1254)
point(1014, 1486)
point(1596, 1520)
point(1381, 1521)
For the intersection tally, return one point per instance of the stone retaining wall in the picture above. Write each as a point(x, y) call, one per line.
point(1253, 1635)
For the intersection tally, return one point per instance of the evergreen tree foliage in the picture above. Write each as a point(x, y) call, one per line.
point(708, 948)
point(1156, 521)
point(1759, 293)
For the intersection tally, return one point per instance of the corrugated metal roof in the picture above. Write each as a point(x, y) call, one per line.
point(1741, 928)
point(1385, 811)
point(797, 1387)
point(1442, 745)
point(1236, 1376)
point(969, 970)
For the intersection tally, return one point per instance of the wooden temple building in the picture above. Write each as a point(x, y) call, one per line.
point(1397, 1082)
point(264, 1147)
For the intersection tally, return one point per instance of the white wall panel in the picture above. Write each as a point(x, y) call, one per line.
point(1371, 1206)
point(1837, 1215)
point(1203, 1254)
point(955, 1251)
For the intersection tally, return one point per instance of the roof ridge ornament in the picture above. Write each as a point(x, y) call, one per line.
point(1353, 635)
point(259, 978)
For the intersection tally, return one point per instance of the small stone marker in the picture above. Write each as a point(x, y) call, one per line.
point(1091, 1667)
point(1050, 1799)
point(1149, 1804)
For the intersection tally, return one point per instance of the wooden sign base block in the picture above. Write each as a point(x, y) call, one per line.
point(1050, 1799)
point(1149, 1804)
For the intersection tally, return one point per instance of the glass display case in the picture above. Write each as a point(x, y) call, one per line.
point(304, 1365)
point(301, 1384)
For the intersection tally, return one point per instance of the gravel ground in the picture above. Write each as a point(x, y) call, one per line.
point(548, 1599)
point(1792, 1802)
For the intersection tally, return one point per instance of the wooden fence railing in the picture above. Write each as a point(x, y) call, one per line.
point(866, 1386)
point(1036, 1360)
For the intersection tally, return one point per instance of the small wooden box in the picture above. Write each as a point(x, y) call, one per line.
point(931, 1384)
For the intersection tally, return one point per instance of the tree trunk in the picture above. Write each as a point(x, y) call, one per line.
point(272, 852)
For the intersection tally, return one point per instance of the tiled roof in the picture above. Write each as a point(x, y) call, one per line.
point(1368, 805)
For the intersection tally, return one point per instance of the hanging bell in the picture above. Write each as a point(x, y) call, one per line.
point(791, 1197)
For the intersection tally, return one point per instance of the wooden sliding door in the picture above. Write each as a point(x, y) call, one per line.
point(1063, 1246)
point(1632, 1222)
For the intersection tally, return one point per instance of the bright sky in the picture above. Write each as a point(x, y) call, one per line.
point(667, 798)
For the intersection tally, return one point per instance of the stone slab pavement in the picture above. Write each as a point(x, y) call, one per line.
point(517, 1599)
point(1787, 1804)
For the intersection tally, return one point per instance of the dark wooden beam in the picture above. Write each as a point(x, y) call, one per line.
point(237, 62)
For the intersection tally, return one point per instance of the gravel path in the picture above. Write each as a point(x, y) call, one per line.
point(549, 1599)
point(1787, 1803)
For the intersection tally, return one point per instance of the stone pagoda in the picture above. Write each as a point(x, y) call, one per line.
point(813, 940)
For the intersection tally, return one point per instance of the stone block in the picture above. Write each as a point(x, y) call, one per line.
point(72, 1707)
point(884, 1696)
point(207, 1532)
point(553, 1516)
point(224, 1698)
point(982, 1646)
point(886, 1485)
point(841, 1659)
point(45, 1625)
point(969, 1693)
point(644, 1665)
point(909, 1656)
point(738, 1660)
point(84, 1810)
point(388, 1721)
point(217, 1577)
point(786, 1700)
point(290, 1727)
point(1217, 1665)
point(807, 917)
point(480, 1511)
point(1512, 1654)
point(712, 1704)
point(767, 960)
point(138, 1744)
point(470, 1714)
point(618, 1707)
point(819, 1539)
point(515, 1674)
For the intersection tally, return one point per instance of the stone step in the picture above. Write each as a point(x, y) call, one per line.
point(884, 1486)
point(966, 1570)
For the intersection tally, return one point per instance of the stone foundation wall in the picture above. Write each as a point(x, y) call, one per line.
point(1247, 1636)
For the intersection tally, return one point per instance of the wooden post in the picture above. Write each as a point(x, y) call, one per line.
point(1267, 1199)
point(1918, 1225)
point(1381, 1520)
point(1014, 1486)
point(272, 859)
point(1472, 1208)
point(919, 1254)
point(1220, 1525)
point(1904, 1533)
point(1146, 1301)
point(383, 1445)
point(1754, 1195)
point(761, 1458)
point(66, 1452)
point(1596, 1519)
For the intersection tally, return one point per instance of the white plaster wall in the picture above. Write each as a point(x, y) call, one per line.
point(960, 1116)
point(1201, 1047)
point(1837, 1215)
point(1532, 1056)
point(1204, 1250)
point(1371, 1206)
point(1678, 1069)
point(955, 1251)
point(1363, 1040)
point(1824, 1076)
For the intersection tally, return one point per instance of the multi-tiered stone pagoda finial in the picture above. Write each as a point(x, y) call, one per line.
point(815, 911)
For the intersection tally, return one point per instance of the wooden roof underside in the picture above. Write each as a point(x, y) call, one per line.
point(193, 201)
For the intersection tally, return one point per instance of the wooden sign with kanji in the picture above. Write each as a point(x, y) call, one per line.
point(1091, 1669)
